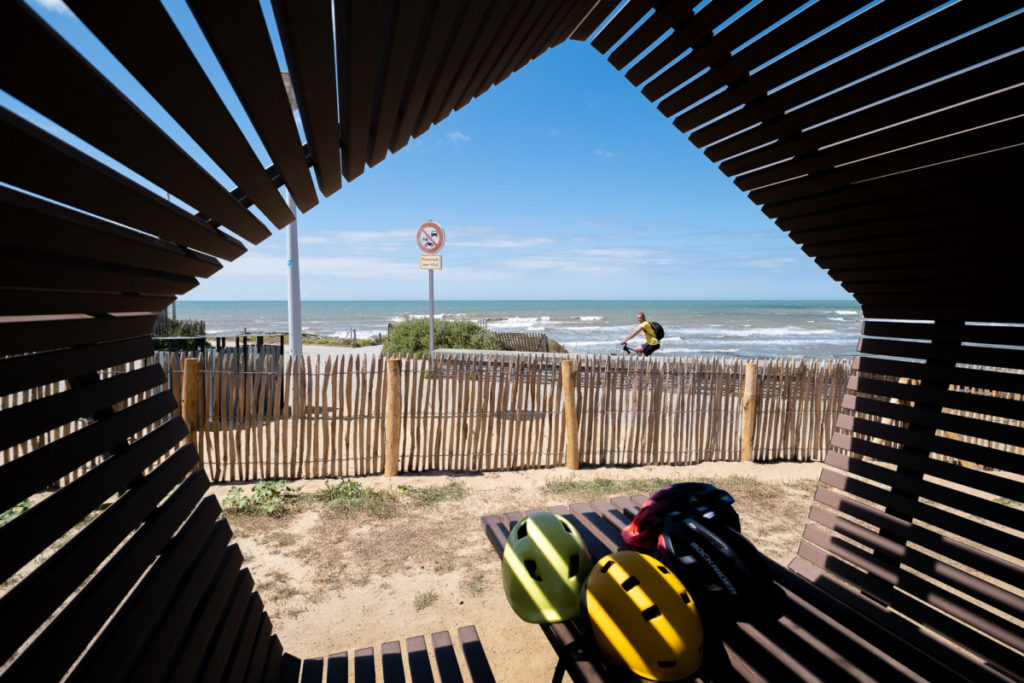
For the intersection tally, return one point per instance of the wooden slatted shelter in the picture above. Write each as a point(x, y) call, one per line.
point(884, 137)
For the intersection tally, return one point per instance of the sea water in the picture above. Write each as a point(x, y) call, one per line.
point(734, 329)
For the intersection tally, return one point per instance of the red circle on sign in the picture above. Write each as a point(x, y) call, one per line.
point(430, 237)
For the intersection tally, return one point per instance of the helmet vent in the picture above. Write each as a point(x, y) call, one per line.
point(522, 531)
point(606, 566)
point(662, 569)
point(574, 564)
point(531, 567)
point(630, 583)
point(566, 525)
point(651, 612)
point(668, 664)
point(686, 597)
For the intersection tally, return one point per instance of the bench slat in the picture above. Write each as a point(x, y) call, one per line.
point(215, 660)
point(392, 667)
point(476, 658)
point(259, 652)
point(362, 665)
point(419, 660)
point(312, 671)
point(444, 654)
point(337, 668)
point(242, 648)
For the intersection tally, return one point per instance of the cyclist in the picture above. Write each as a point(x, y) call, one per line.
point(651, 343)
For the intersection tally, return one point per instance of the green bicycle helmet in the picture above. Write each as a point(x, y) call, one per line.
point(543, 569)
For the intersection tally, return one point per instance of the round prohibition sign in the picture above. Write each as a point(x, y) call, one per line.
point(430, 237)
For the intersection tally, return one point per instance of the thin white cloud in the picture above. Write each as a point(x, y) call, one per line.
point(457, 137)
point(604, 153)
point(507, 242)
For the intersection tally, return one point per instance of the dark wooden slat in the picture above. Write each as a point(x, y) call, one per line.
point(43, 333)
point(28, 474)
point(226, 633)
point(967, 555)
point(955, 259)
point(46, 227)
point(392, 668)
point(144, 38)
point(467, 33)
point(593, 19)
point(312, 670)
point(971, 333)
point(620, 23)
point(216, 610)
point(362, 665)
point(238, 660)
point(238, 34)
point(912, 118)
point(63, 173)
point(419, 660)
point(272, 669)
point(21, 422)
point(122, 641)
point(666, 17)
point(501, 42)
point(444, 655)
point(476, 659)
point(306, 30)
point(974, 531)
point(14, 301)
point(977, 142)
point(989, 43)
point(337, 668)
point(957, 400)
point(358, 27)
point(874, 21)
point(64, 82)
point(35, 597)
point(407, 38)
point(23, 372)
point(439, 32)
point(544, 35)
point(259, 653)
point(290, 668)
point(960, 582)
point(33, 269)
point(31, 532)
point(974, 355)
point(997, 381)
point(590, 522)
point(521, 40)
point(885, 592)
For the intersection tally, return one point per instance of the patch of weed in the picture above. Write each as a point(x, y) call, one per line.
point(8, 515)
point(424, 600)
point(349, 497)
point(268, 498)
point(431, 495)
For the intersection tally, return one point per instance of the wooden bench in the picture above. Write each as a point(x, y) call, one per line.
point(128, 572)
point(912, 564)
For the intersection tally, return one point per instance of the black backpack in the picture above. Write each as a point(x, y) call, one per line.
point(659, 331)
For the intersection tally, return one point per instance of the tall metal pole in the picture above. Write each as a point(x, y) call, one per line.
point(431, 311)
point(294, 299)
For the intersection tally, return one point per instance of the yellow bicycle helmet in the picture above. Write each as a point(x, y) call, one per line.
point(643, 617)
point(543, 568)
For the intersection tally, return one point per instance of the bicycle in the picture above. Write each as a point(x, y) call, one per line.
point(626, 350)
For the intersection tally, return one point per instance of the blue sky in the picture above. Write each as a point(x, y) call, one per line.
point(563, 182)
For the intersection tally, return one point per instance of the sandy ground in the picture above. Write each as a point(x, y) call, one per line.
point(333, 583)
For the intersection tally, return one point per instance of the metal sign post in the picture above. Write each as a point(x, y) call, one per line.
point(430, 238)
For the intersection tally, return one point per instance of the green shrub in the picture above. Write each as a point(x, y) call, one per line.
point(413, 336)
point(269, 498)
point(349, 497)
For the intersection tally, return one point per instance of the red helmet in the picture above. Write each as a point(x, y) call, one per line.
point(694, 499)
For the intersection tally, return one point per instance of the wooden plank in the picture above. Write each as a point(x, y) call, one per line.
point(254, 671)
point(290, 668)
point(312, 670)
point(419, 660)
point(37, 596)
point(666, 18)
point(337, 668)
point(29, 533)
point(19, 302)
point(392, 667)
point(110, 122)
point(238, 660)
point(363, 665)
point(46, 227)
point(144, 38)
point(600, 11)
point(358, 30)
point(444, 655)
point(226, 632)
point(306, 30)
point(45, 333)
point(239, 37)
point(202, 541)
point(24, 421)
point(20, 267)
point(25, 476)
point(480, 81)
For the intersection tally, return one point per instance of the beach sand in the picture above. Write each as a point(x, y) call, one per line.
point(334, 584)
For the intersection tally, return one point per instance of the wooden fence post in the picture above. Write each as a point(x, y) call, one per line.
point(749, 413)
point(393, 417)
point(572, 451)
point(189, 392)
